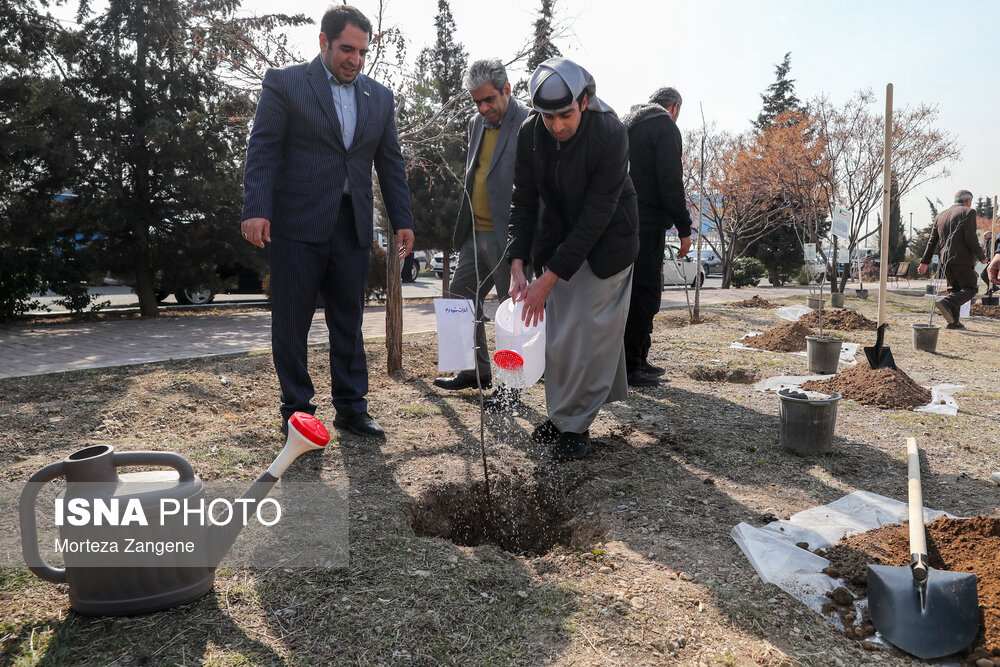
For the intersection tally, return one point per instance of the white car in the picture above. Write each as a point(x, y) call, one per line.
point(685, 271)
point(437, 264)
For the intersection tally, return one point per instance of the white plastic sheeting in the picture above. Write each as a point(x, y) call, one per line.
point(773, 555)
point(942, 396)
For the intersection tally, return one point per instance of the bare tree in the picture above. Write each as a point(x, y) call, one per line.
point(738, 193)
point(853, 140)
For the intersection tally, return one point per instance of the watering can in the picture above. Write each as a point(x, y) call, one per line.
point(93, 481)
point(520, 348)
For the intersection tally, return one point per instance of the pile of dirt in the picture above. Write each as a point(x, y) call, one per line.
point(958, 545)
point(789, 337)
point(845, 320)
point(755, 302)
point(985, 311)
point(885, 388)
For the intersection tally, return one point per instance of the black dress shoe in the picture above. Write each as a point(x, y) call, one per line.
point(954, 325)
point(650, 369)
point(359, 424)
point(504, 399)
point(545, 434)
point(464, 380)
point(571, 446)
point(637, 378)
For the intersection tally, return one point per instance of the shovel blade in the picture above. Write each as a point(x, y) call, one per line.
point(879, 358)
point(929, 619)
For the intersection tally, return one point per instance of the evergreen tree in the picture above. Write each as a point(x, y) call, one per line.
point(779, 96)
point(919, 241)
point(542, 47)
point(897, 239)
point(984, 208)
point(44, 245)
point(436, 166)
point(781, 250)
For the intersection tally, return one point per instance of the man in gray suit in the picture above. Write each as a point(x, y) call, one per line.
point(320, 127)
point(481, 232)
point(955, 231)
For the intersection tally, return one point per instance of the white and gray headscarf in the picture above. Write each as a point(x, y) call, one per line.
point(558, 82)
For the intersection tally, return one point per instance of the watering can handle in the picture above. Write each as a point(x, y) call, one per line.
point(29, 530)
point(167, 459)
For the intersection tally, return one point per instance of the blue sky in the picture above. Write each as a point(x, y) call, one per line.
point(722, 54)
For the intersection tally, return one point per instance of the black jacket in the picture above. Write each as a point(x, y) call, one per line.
point(589, 203)
point(655, 167)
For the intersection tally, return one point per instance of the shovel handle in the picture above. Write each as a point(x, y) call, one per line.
point(918, 542)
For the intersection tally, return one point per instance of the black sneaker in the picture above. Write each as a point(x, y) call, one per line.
point(546, 434)
point(637, 378)
point(571, 446)
point(650, 369)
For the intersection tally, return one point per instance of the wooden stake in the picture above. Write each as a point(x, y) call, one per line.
point(883, 274)
point(393, 306)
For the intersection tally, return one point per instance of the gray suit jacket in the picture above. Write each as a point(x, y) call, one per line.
point(499, 180)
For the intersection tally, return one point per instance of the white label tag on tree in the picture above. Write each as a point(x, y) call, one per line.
point(456, 325)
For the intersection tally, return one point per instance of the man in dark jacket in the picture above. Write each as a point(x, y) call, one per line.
point(573, 154)
point(955, 231)
point(655, 167)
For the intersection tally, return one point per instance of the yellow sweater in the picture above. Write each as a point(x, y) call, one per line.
point(480, 200)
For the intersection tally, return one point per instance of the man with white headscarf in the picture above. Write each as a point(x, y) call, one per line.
point(572, 154)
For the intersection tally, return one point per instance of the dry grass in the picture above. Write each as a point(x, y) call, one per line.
point(672, 470)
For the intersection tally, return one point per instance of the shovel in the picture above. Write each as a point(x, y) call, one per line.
point(880, 356)
point(926, 612)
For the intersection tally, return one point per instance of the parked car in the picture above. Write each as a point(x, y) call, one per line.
point(684, 272)
point(437, 264)
point(410, 268)
point(710, 262)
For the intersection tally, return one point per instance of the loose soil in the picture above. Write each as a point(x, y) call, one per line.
point(518, 516)
point(844, 320)
point(736, 375)
point(755, 302)
point(957, 545)
point(887, 388)
point(985, 311)
point(645, 571)
point(790, 337)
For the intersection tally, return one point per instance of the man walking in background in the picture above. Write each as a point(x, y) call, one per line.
point(955, 231)
point(319, 129)
point(481, 231)
point(655, 167)
point(573, 154)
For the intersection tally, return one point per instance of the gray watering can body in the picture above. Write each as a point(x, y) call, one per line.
point(92, 474)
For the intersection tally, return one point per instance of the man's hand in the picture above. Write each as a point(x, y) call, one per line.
point(518, 282)
point(993, 270)
point(922, 269)
point(256, 231)
point(685, 247)
point(534, 296)
point(404, 242)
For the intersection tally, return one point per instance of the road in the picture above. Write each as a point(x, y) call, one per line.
point(426, 286)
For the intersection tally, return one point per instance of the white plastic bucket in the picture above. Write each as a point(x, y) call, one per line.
point(528, 341)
